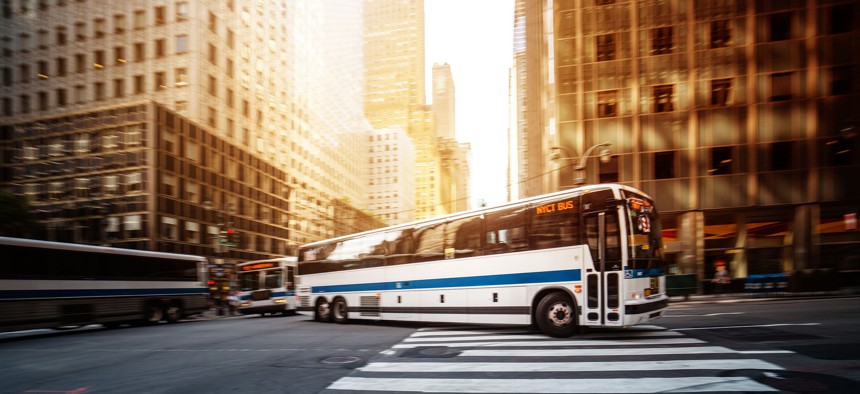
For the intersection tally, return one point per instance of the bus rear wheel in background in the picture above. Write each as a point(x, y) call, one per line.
point(173, 312)
point(322, 311)
point(339, 311)
point(153, 313)
point(556, 315)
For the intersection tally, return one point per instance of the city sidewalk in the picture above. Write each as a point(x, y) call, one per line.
point(754, 297)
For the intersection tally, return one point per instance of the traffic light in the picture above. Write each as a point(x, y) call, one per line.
point(232, 238)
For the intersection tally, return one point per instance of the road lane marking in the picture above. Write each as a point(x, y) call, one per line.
point(641, 385)
point(554, 343)
point(749, 326)
point(666, 365)
point(612, 352)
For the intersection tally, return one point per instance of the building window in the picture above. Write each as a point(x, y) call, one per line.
point(119, 23)
point(720, 33)
point(721, 161)
point(139, 51)
point(721, 92)
point(181, 77)
point(80, 94)
point(119, 54)
point(160, 81)
point(609, 170)
point(842, 18)
point(780, 26)
point(61, 98)
point(61, 66)
point(230, 98)
point(61, 35)
point(25, 72)
point(607, 104)
point(843, 80)
point(192, 232)
point(664, 165)
point(100, 91)
point(7, 76)
point(780, 86)
point(181, 11)
point(42, 69)
point(43, 101)
point(231, 39)
point(781, 157)
point(139, 84)
point(99, 61)
point(213, 54)
point(181, 43)
point(160, 15)
point(213, 86)
point(213, 23)
point(80, 63)
point(663, 98)
point(605, 47)
point(139, 19)
point(99, 28)
point(118, 88)
point(168, 228)
point(160, 47)
point(213, 117)
point(80, 31)
point(661, 40)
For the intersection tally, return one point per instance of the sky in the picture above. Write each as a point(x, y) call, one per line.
point(475, 37)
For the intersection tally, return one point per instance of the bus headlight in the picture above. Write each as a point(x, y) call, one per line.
point(280, 301)
point(635, 295)
point(244, 304)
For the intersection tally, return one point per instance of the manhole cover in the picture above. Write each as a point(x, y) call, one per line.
point(438, 351)
point(340, 360)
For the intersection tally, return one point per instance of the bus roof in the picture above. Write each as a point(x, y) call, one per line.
point(33, 243)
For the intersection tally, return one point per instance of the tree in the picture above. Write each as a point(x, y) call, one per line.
point(16, 217)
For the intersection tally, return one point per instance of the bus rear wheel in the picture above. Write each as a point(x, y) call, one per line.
point(322, 312)
point(556, 316)
point(339, 311)
point(173, 313)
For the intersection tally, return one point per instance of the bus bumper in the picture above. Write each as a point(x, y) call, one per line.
point(641, 311)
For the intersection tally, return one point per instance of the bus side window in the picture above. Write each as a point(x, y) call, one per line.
point(401, 248)
point(291, 278)
point(505, 231)
point(430, 242)
point(554, 224)
point(464, 236)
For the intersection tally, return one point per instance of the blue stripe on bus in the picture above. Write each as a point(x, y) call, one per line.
point(574, 275)
point(67, 293)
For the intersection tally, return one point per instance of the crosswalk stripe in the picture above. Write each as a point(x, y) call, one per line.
point(615, 385)
point(552, 343)
point(606, 352)
point(436, 367)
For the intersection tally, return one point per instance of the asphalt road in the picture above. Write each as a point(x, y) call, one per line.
point(796, 345)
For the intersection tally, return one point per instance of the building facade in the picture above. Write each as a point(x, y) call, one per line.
point(394, 89)
point(259, 77)
point(739, 117)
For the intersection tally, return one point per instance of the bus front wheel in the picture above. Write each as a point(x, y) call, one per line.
point(322, 312)
point(556, 315)
point(339, 311)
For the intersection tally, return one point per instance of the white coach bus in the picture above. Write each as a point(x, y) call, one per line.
point(585, 257)
point(267, 286)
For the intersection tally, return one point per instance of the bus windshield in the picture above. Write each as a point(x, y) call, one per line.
point(249, 281)
point(645, 233)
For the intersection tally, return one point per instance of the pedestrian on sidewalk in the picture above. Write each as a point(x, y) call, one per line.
point(721, 277)
point(233, 302)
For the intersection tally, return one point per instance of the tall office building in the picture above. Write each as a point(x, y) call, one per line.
point(261, 78)
point(739, 117)
point(392, 182)
point(394, 89)
point(444, 99)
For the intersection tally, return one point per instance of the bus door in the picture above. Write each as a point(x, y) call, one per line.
point(290, 286)
point(603, 281)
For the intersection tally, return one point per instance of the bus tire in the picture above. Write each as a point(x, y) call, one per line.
point(322, 311)
point(556, 315)
point(173, 313)
point(153, 313)
point(339, 311)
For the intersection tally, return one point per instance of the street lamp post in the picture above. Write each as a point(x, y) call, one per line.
point(579, 168)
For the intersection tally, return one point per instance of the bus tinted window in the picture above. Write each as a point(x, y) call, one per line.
point(463, 237)
point(429, 242)
point(554, 224)
point(401, 247)
point(506, 231)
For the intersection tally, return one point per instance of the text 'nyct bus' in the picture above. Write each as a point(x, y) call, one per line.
point(585, 257)
point(53, 284)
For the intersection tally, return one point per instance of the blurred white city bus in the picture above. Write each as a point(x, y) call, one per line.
point(53, 284)
point(585, 257)
point(267, 286)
